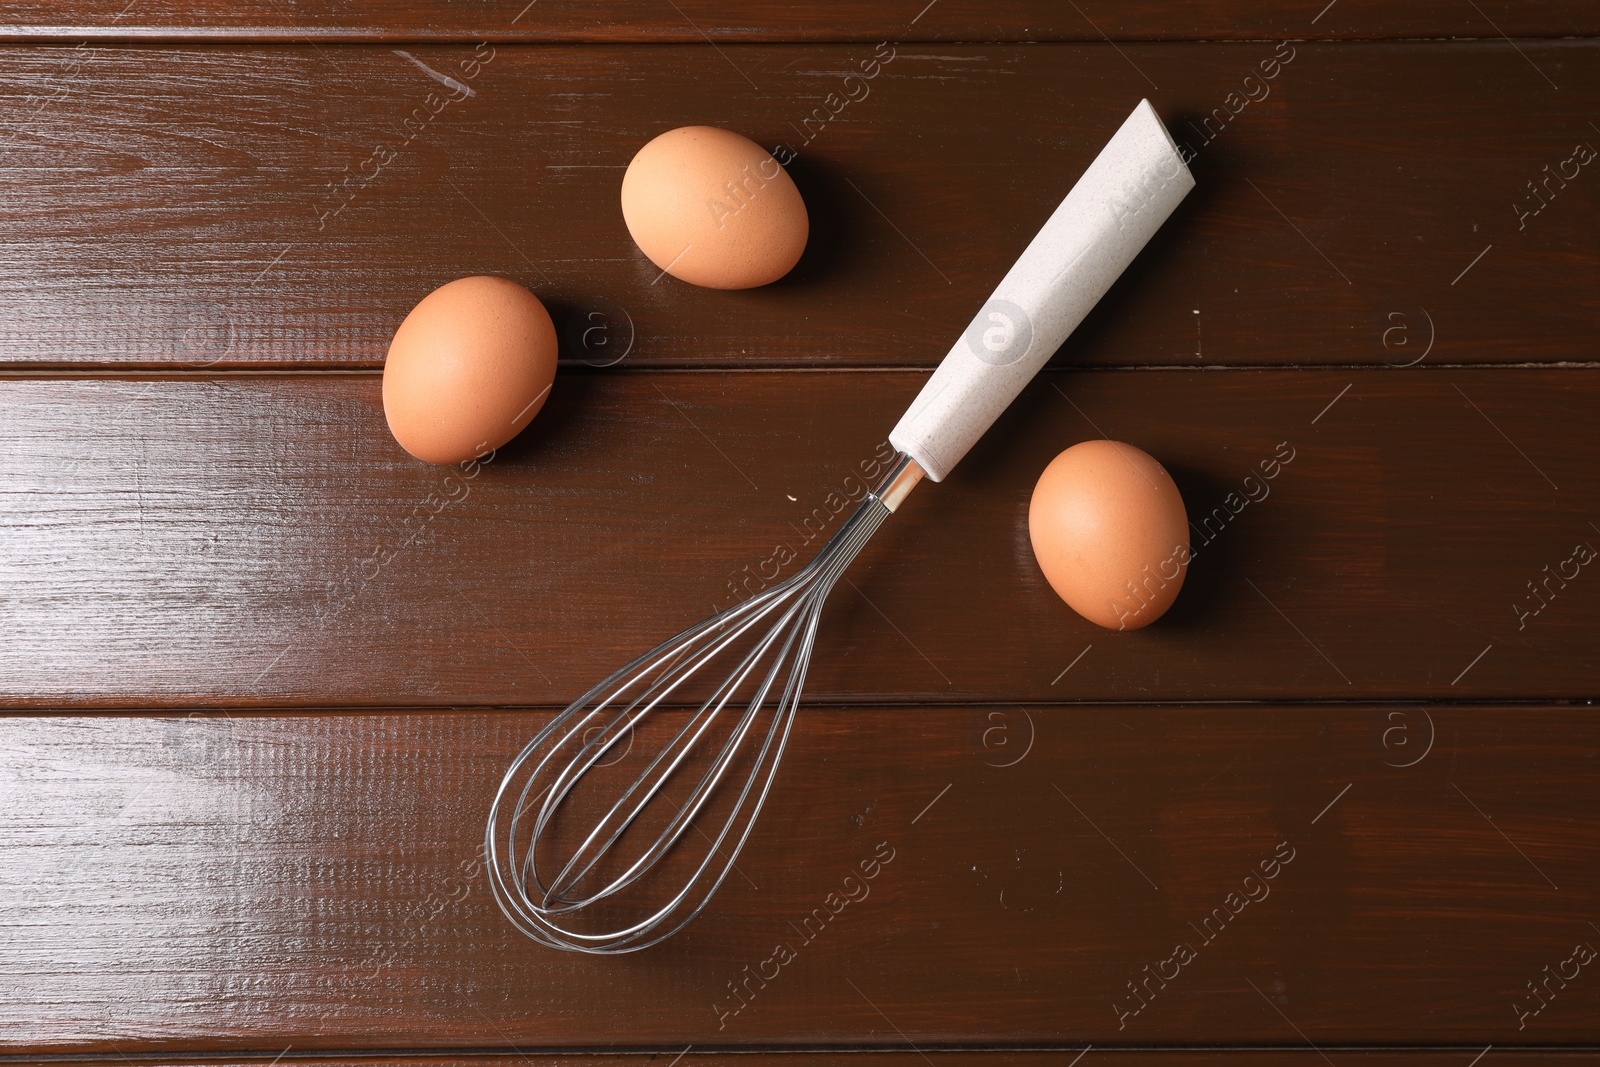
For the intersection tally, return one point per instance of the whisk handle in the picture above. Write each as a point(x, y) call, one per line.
point(1129, 190)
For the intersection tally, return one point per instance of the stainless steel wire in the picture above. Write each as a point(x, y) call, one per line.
point(766, 671)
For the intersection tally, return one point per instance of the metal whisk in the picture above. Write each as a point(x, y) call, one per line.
point(590, 859)
point(769, 670)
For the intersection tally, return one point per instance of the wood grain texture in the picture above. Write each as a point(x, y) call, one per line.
point(267, 206)
point(1376, 667)
point(261, 881)
point(1182, 1057)
point(263, 541)
point(829, 20)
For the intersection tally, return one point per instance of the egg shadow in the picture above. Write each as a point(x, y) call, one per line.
point(553, 424)
point(832, 210)
point(1212, 569)
point(561, 308)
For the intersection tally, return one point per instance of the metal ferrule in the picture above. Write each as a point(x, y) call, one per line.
point(901, 477)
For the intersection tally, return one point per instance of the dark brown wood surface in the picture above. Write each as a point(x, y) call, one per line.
point(263, 671)
point(247, 541)
point(157, 216)
point(267, 880)
point(765, 20)
point(1188, 1057)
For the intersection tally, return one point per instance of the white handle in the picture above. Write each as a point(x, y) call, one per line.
point(1122, 199)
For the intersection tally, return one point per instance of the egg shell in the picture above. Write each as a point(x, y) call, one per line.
point(713, 208)
point(468, 369)
point(1110, 532)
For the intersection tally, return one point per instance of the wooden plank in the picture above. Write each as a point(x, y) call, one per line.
point(238, 206)
point(262, 541)
point(830, 20)
point(1189, 1057)
point(311, 880)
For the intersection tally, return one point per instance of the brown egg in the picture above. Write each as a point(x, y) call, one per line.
point(468, 369)
point(1110, 533)
point(713, 208)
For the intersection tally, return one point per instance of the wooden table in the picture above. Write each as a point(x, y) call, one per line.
point(264, 671)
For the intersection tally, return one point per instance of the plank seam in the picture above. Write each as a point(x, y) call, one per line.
point(124, 37)
point(523, 1052)
point(112, 373)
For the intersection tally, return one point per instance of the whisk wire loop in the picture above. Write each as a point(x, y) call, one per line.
point(541, 785)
